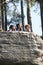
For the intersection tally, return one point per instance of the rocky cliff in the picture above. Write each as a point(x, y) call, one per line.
point(20, 48)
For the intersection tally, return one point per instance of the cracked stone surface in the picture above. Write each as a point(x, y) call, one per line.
point(20, 48)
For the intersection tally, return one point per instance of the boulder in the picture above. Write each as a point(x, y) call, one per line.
point(20, 48)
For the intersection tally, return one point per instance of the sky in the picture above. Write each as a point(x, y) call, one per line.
point(35, 16)
point(36, 19)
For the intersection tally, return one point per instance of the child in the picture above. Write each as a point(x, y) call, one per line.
point(27, 28)
point(11, 28)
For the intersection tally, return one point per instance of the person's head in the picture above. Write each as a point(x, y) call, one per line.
point(27, 27)
point(12, 27)
point(18, 26)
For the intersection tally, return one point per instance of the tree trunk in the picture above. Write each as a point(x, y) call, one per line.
point(5, 16)
point(22, 14)
point(28, 14)
point(41, 8)
point(2, 14)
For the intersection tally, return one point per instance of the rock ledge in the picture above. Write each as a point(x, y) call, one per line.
point(20, 48)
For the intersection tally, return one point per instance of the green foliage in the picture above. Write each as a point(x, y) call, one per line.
point(32, 2)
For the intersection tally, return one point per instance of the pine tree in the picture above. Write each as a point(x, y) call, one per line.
point(2, 12)
point(22, 14)
point(5, 16)
point(41, 9)
point(28, 14)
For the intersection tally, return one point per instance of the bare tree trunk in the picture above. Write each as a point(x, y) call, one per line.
point(28, 14)
point(22, 14)
point(41, 8)
point(2, 14)
point(5, 16)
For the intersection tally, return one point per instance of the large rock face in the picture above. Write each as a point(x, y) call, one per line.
point(20, 48)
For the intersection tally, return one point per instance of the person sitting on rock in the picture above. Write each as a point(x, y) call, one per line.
point(27, 28)
point(11, 28)
point(18, 27)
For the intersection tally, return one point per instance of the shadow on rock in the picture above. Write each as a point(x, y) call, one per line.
point(8, 62)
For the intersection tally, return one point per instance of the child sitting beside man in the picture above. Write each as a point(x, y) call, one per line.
point(19, 28)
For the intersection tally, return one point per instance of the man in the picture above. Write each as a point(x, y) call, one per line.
point(18, 27)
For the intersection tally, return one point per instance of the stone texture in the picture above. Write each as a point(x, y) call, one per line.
point(20, 48)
